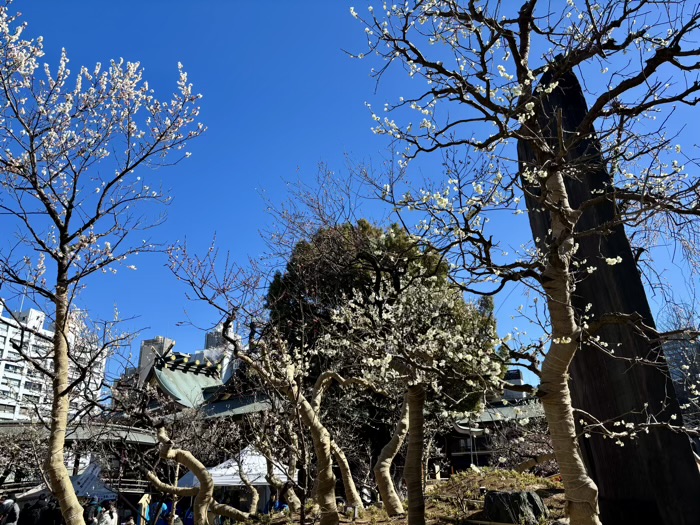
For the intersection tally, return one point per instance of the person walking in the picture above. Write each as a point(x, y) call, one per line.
point(109, 515)
point(91, 514)
point(9, 512)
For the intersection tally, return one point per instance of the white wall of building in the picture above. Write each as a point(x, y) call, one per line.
point(23, 388)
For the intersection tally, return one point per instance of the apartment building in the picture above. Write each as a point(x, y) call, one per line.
point(25, 391)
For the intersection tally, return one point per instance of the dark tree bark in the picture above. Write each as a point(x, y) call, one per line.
point(652, 479)
point(413, 469)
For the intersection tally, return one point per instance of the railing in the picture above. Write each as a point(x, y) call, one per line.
point(125, 485)
point(19, 486)
point(128, 485)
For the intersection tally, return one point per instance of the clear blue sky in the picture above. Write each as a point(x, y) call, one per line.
point(280, 96)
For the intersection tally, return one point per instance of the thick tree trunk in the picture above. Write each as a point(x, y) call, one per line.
point(652, 478)
point(351, 494)
point(382, 469)
point(56, 470)
point(204, 494)
point(325, 479)
point(414, 456)
point(581, 493)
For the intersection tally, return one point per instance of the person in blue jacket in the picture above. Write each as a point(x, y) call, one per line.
point(274, 505)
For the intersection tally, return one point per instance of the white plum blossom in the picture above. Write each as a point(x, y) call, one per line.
point(420, 332)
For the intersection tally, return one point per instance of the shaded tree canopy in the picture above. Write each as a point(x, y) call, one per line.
point(348, 259)
point(323, 271)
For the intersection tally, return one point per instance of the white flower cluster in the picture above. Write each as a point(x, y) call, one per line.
point(612, 261)
point(90, 132)
point(419, 334)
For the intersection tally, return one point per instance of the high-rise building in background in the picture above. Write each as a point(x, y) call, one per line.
point(514, 376)
point(215, 338)
point(216, 354)
point(218, 350)
point(159, 346)
point(683, 359)
point(25, 391)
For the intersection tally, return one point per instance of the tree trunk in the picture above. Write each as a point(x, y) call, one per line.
point(204, 494)
point(382, 469)
point(292, 472)
point(226, 510)
point(254, 495)
point(654, 477)
point(56, 469)
point(351, 494)
point(285, 489)
point(581, 493)
point(325, 479)
point(176, 477)
point(414, 456)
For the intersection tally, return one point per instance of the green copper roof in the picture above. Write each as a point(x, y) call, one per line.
point(185, 386)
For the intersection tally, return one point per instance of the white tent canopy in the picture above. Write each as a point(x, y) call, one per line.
point(226, 474)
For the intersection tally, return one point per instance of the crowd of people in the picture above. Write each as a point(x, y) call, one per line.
point(105, 513)
point(44, 511)
point(41, 512)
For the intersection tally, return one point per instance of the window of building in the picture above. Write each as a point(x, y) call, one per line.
point(13, 369)
point(42, 348)
point(11, 355)
point(37, 350)
point(9, 394)
point(26, 411)
point(9, 381)
point(31, 398)
point(28, 385)
point(7, 409)
point(463, 445)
